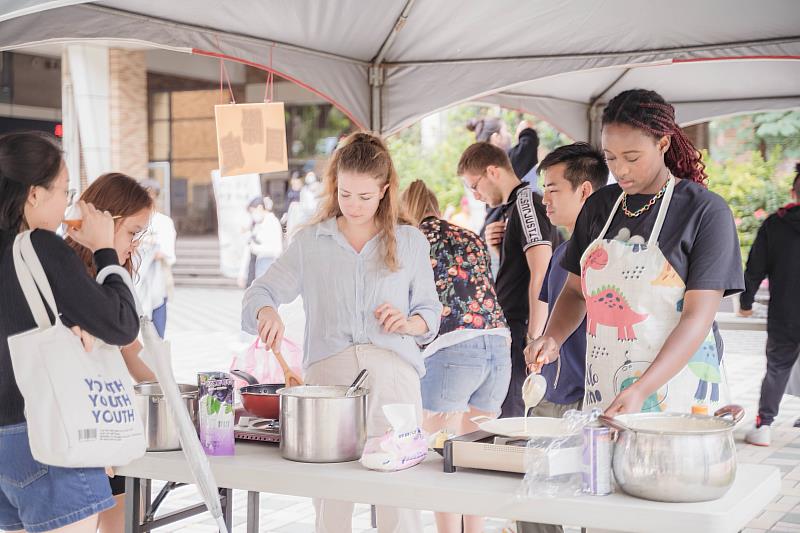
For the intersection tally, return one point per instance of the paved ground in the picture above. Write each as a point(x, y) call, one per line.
point(203, 326)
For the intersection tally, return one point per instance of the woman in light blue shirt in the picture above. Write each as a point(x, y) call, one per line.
point(368, 294)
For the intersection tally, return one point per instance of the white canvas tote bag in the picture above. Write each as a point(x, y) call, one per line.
point(79, 406)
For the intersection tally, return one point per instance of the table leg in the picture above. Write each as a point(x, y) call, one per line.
point(227, 509)
point(252, 512)
point(133, 504)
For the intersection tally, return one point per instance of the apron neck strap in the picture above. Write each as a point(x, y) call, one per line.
point(662, 212)
point(611, 217)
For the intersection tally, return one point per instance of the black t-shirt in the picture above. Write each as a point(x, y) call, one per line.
point(698, 237)
point(527, 225)
point(105, 311)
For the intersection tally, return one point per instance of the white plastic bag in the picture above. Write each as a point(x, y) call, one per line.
point(554, 465)
point(79, 406)
point(403, 446)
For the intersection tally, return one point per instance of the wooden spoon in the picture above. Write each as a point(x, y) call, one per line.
point(290, 377)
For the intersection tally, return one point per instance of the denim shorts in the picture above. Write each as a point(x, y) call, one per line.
point(472, 373)
point(38, 497)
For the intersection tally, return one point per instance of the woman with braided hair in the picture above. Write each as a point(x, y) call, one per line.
point(649, 262)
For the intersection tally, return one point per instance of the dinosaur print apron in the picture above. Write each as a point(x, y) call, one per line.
point(634, 300)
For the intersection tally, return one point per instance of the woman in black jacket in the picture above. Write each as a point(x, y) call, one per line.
point(34, 193)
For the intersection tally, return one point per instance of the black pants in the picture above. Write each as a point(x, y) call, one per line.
point(783, 348)
point(513, 405)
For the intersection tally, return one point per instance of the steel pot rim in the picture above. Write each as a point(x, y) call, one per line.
point(718, 423)
point(187, 390)
point(337, 392)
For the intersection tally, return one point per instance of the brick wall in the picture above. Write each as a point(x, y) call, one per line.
point(128, 112)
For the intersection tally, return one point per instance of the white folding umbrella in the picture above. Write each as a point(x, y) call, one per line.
point(157, 355)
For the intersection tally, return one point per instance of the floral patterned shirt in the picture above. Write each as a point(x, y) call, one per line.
point(461, 269)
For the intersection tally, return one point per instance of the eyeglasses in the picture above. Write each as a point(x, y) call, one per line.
point(474, 187)
point(139, 235)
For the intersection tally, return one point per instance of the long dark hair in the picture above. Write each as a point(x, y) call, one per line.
point(121, 196)
point(649, 112)
point(26, 160)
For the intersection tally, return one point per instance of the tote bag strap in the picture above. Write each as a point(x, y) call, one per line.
point(28, 269)
point(126, 278)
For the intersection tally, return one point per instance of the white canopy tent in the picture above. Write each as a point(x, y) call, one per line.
point(387, 64)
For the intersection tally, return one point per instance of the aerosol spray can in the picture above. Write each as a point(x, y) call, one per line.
point(598, 446)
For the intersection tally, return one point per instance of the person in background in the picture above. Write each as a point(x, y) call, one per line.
point(524, 255)
point(295, 186)
point(156, 255)
point(570, 174)
point(492, 130)
point(524, 155)
point(256, 212)
point(34, 194)
point(775, 254)
point(124, 197)
point(310, 195)
point(468, 366)
point(266, 243)
point(462, 217)
point(369, 299)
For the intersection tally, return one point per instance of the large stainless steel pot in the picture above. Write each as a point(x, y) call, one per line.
point(319, 424)
point(673, 457)
point(159, 429)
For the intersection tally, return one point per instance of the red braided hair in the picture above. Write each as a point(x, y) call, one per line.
point(648, 111)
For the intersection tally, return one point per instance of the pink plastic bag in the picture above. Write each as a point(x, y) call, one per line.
point(259, 361)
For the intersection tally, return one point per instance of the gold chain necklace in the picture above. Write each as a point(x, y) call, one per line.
point(645, 207)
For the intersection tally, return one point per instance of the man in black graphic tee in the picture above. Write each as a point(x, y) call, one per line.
point(525, 236)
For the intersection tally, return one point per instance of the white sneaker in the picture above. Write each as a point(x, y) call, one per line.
point(759, 436)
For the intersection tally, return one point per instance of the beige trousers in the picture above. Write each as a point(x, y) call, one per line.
point(391, 380)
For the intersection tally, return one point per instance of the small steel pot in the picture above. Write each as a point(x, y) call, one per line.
point(159, 429)
point(319, 424)
point(673, 457)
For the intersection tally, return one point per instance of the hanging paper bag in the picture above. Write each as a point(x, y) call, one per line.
point(251, 138)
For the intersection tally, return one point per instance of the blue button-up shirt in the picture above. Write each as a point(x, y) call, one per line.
point(341, 290)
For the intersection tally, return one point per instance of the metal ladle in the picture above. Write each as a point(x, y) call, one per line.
point(357, 383)
point(533, 390)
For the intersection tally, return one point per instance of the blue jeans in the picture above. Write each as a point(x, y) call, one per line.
point(39, 497)
point(160, 318)
point(472, 373)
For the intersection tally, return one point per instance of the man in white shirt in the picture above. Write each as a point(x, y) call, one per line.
point(156, 257)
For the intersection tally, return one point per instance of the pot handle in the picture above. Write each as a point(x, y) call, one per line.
point(481, 419)
point(736, 412)
point(612, 423)
point(249, 378)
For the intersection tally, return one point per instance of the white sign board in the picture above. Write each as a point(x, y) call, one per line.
point(232, 194)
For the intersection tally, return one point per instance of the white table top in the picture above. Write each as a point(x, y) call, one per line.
point(259, 467)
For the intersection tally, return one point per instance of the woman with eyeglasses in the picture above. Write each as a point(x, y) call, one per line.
point(131, 206)
point(34, 194)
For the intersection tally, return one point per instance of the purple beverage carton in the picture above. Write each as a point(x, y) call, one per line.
point(216, 412)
